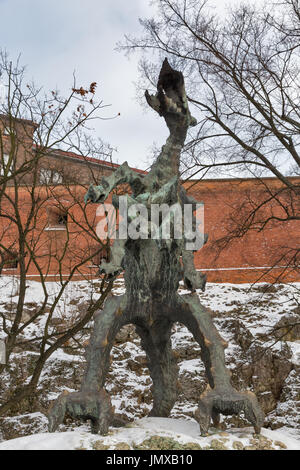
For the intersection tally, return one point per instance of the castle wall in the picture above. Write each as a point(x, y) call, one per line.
point(262, 255)
point(61, 241)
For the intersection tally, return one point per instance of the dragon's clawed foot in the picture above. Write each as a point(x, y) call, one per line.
point(214, 402)
point(93, 406)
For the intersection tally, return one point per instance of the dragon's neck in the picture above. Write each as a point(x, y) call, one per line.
point(167, 163)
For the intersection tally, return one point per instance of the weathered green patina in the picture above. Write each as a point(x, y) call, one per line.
point(152, 272)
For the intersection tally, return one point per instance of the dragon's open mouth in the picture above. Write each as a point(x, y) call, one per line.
point(170, 88)
point(170, 99)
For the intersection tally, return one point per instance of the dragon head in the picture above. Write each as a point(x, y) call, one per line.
point(170, 101)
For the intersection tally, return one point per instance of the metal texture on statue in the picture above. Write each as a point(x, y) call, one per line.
point(153, 269)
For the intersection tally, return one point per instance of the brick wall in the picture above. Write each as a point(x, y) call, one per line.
point(244, 260)
point(259, 255)
point(17, 139)
point(60, 235)
point(251, 257)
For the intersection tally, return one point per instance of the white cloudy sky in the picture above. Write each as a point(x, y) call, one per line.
point(57, 37)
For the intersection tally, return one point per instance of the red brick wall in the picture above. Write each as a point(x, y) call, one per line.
point(251, 257)
point(244, 260)
point(57, 248)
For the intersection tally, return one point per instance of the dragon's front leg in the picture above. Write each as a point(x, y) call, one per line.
point(123, 175)
point(192, 278)
point(114, 266)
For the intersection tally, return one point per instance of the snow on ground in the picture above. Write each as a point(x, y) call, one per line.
point(129, 383)
point(181, 431)
point(295, 348)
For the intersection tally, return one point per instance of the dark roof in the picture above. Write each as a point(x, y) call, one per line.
point(28, 122)
point(240, 179)
point(97, 161)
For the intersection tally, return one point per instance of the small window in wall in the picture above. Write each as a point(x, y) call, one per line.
point(48, 176)
point(62, 219)
point(3, 164)
point(57, 219)
point(9, 260)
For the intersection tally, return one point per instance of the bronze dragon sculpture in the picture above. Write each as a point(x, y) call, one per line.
point(153, 269)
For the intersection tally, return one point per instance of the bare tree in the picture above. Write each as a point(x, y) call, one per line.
point(45, 226)
point(242, 72)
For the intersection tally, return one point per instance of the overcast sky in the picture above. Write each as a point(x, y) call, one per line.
point(57, 37)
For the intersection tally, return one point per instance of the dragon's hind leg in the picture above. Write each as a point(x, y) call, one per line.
point(92, 402)
point(156, 342)
point(220, 396)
